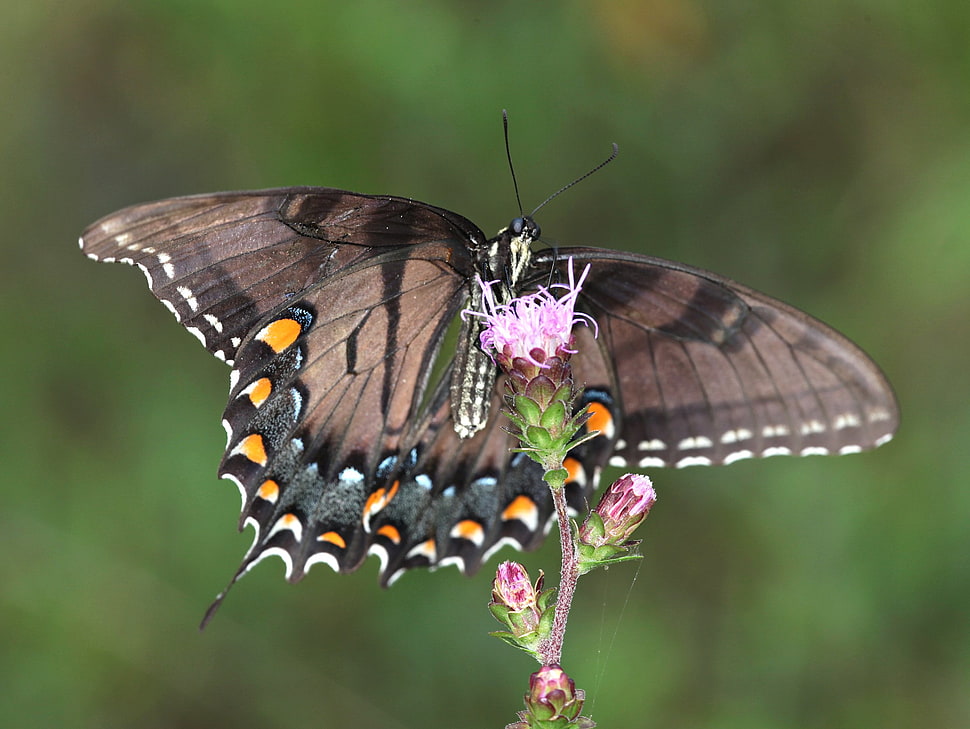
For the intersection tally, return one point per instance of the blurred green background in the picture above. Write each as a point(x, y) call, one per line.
point(817, 151)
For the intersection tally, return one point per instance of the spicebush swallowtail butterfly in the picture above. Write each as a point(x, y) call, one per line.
point(353, 427)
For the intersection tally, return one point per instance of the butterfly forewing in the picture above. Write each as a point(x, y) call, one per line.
point(222, 262)
point(707, 371)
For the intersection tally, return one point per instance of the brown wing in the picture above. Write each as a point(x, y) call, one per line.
point(222, 262)
point(707, 371)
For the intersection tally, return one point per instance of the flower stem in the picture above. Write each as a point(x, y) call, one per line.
point(550, 650)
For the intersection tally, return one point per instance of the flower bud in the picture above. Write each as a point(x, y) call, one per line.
point(553, 701)
point(522, 607)
point(512, 587)
point(603, 536)
point(621, 510)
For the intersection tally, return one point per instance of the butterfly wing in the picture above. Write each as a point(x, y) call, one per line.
point(332, 307)
point(707, 371)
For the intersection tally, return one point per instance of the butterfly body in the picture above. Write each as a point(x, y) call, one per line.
point(333, 307)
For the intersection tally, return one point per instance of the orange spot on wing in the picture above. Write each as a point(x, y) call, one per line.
point(522, 508)
point(600, 419)
point(333, 538)
point(380, 498)
point(470, 530)
point(288, 522)
point(269, 490)
point(427, 549)
point(252, 447)
point(280, 334)
point(574, 468)
point(260, 390)
point(390, 531)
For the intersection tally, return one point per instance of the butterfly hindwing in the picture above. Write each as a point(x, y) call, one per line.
point(425, 498)
point(327, 392)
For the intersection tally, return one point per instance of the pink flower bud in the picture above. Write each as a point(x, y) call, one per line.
point(513, 588)
point(553, 695)
point(621, 510)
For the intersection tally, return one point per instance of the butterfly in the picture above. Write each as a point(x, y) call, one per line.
point(364, 419)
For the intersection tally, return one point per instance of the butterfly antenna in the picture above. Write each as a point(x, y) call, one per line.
point(508, 153)
point(561, 190)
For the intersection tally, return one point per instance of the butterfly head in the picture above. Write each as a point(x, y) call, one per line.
point(519, 236)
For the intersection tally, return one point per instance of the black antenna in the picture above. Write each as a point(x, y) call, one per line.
point(597, 168)
point(508, 153)
point(515, 184)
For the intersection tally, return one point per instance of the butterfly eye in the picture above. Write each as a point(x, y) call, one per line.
point(524, 225)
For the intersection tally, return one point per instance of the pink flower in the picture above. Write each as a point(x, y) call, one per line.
point(531, 339)
point(534, 327)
